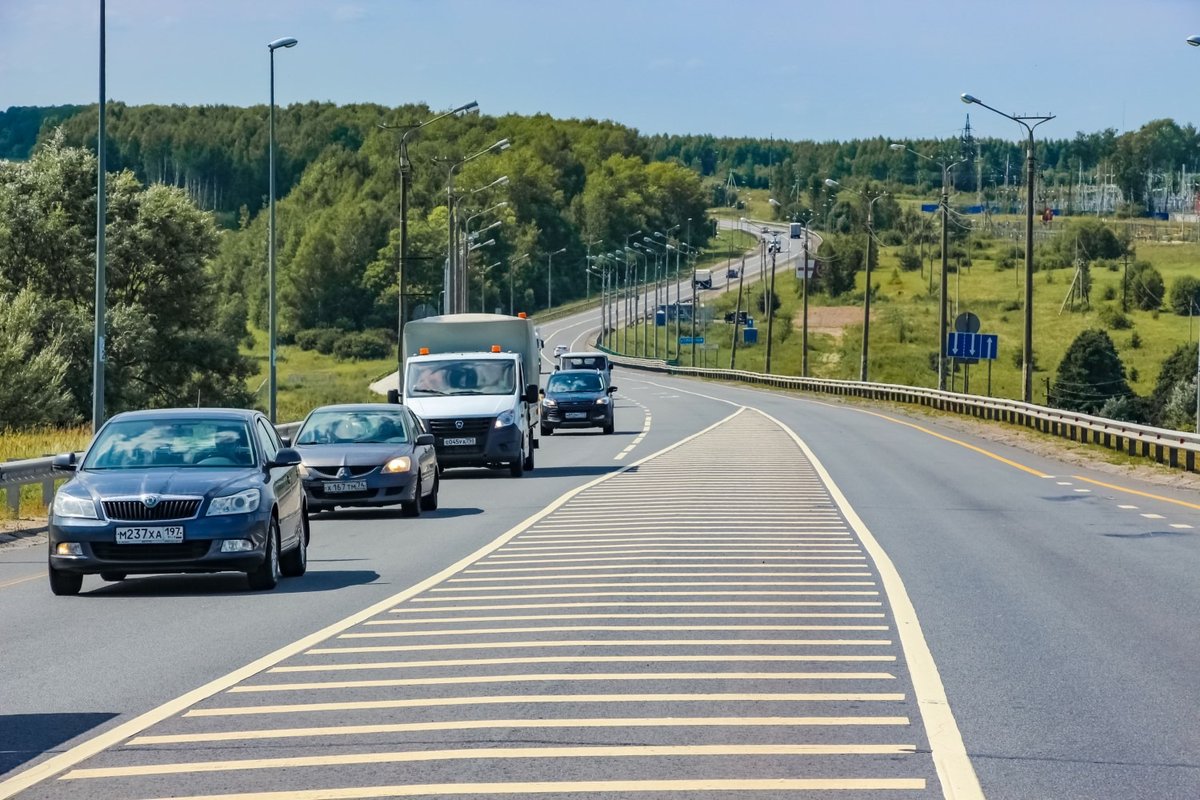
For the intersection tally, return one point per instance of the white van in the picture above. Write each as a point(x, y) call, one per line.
point(586, 360)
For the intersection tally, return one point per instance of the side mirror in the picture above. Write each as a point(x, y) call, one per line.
point(611, 389)
point(393, 396)
point(64, 462)
point(531, 393)
point(425, 439)
point(542, 392)
point(286, 457)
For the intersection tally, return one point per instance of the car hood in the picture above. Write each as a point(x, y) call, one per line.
point(351, 455)
point(574, 397)
point(463, 405)
point(189, 482)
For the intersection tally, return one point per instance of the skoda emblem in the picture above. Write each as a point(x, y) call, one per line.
point(458, 423)
point(150, 500)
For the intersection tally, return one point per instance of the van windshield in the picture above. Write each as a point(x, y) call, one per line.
point(461, 376)
point(585, 362)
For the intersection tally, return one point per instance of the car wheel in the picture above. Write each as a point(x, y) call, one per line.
point(430, 501)
point(65, 583)
point(112, 577)
point(609, 427)
point(412, 508)
point(294, 563)
point(266, 575)
point(547, 430)
point(529, 456)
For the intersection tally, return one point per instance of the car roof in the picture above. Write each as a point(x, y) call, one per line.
point(577, 372)
point(358, 407)
point(245, 414)
point(588, 353)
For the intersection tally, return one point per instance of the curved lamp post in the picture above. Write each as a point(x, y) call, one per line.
point(454, 298)
point(550, 276)
point(1027, 344)
point(866, 339)
point(945, 207)
point(286, 41)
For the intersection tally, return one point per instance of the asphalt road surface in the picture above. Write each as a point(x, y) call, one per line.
point(739, 593)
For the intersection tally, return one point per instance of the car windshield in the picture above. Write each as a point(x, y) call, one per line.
point(173, 443)
point(461, 376)
point(353, 427)
point(585, 362)
point(578, 382)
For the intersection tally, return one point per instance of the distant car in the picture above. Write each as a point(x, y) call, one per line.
point(731, 272)
point(560, 349)
point(577, 398)
point(368, 454)
point(179, 490)
point(587, 360)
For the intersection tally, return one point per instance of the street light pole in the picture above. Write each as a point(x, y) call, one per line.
point(454, 295)
point(550, 277)
point(942, 297)
point(1027, 355)
point(402, 258)
point(101, 277)
point(286, 41)
point(512, 268)
point(866, 340)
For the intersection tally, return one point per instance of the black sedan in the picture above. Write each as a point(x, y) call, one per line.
point(180, 490)
point(577, 398)
point(368, 454)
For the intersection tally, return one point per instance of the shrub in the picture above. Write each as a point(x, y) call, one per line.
point(366, 345)
point(1135, 341)
point(1114, 319)
point(1005, 263)
point(1089, 374)
point(1127, 408)
point(910, 260)
point(1185, 296)
point(1109, 293)
point(1145, 286)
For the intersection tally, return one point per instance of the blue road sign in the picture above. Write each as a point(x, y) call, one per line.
point(972, 346)
point(691, 340)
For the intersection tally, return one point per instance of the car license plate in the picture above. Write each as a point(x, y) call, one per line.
point(158, 535)
point(459, 441)
point(340, 487)
point(576, 415)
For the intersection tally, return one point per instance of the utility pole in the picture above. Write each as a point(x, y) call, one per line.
point(737, 315)
point(98, 357)
point(770, 309)
point(804, 333)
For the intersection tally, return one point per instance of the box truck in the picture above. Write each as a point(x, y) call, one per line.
point(473, 380)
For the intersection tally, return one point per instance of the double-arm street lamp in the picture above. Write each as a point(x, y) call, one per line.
point(286, 41)
point(455, 296)
point(945, 208)
point(1027, 344)
point(866, 338)
point(405, 183)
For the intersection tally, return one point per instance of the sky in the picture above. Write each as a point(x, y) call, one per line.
point(789, 69)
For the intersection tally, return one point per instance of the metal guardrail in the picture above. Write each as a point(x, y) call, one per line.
point(14, 475)
point(1178, 449)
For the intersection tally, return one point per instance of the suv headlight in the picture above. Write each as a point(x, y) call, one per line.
point(68, 505)
point(548, 403)
point(243, 502)
point(505, 419)
point(601, 401)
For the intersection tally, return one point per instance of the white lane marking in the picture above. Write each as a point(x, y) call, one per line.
point(1128, 507)
point(1180, 526)
point(949, 754)
point(645, 429)
point(1063, 483)
point(1084, 491)
point(63, 761)
point(1153, 516)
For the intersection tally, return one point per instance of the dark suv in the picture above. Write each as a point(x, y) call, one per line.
point(577, 398)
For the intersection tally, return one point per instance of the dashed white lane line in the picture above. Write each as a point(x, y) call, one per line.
point(1128, 507)
point(1084, 491)
point(1063, 483)
point(1153, 516)
point(1181, 526)
point(645, 430)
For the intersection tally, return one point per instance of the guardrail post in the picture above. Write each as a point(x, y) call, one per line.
point(13, 491)
point(1189, 461)
point(47, 492)
point(1173, 457)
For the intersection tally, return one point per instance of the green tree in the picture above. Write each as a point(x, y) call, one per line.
point(1185, 296)
point(1145, 286)
point(1177, 368)
point(1089, 374)
point(34, 390)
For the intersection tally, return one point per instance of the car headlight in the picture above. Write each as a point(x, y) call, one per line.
point(243, 502)
point(548, 403)
point(601, 401)
point(398, 464)
point(68, 505)
point(505, 419)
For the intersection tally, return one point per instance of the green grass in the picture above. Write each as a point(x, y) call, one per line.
point(307, 379)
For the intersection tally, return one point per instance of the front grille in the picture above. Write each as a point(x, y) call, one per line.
point(475, 426)
point(137, 511)
point(331, 471)
point(182, 551)
point(588, 407)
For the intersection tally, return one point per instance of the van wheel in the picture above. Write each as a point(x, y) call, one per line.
point(529, 456)
point(547, 430)
point(517, 468)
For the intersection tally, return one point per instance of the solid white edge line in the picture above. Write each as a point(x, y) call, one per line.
point(54, 765)
point(949, 754)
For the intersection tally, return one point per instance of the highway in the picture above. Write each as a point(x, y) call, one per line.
point(739, 593)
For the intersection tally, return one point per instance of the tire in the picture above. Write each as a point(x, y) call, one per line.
point(430, 501)
point(412, 508)
point(547, 430)
point(65, 584)
point(266, 576)
point(517, 468)
point(112, 577)
point(294, 563)
point(529, 455)
point(609, 428)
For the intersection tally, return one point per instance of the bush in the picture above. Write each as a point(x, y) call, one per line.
point(310, 339)
point(1127, 408)
point(1011, 305)
point(1185, 296)
point(892, 238)
point(1109, 293)
point(1089, 374)
point(910, 260)
point(1114, 319)
point(1145, 286)
point(367, 345)
point(1006, 263)
point(1135, 341)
